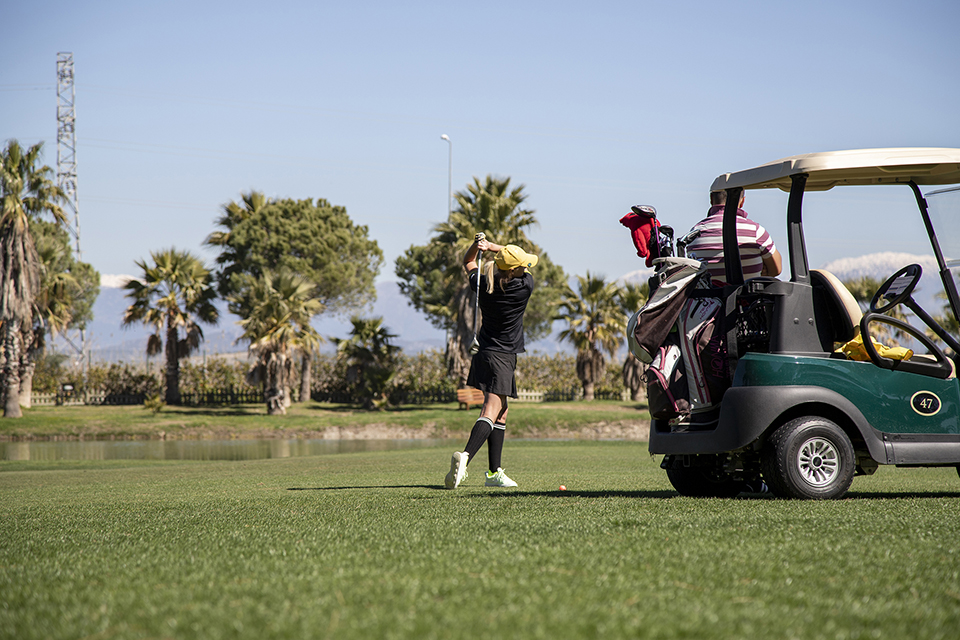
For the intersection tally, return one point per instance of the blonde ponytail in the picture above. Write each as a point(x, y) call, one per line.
point(488, 272)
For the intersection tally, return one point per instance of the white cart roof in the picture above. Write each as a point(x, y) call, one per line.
point(923, 165)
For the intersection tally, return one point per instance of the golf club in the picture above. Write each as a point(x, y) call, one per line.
point(475, 345)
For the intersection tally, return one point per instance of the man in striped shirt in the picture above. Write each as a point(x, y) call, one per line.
point(758, 253)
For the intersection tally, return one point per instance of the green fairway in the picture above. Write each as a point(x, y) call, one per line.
point(369, 545)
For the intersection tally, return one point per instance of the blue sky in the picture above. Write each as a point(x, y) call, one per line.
point(181, 106)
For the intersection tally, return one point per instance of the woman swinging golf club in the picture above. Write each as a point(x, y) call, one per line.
point(502, 296)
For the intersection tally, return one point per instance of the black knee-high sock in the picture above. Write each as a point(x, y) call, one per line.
point(495, 445)
point(479, 434)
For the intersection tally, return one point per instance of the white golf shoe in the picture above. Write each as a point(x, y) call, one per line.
point(458, 470)
point(499, 479)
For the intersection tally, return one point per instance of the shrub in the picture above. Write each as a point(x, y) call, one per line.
point(422, 377)
point(329, 377)
point(154, 403)
point(50, 373)
point(612, 384)
point(542, 372)
point(419, 378)
point(213, 373)
point(556, 375)
point(122, 379)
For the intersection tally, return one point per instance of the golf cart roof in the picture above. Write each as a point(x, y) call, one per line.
point(922, 165)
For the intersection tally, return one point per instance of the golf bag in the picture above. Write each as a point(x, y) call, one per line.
point(703, 344)
point(667, 392)
point(690, 373)
point(680, 334)
point(670, 286)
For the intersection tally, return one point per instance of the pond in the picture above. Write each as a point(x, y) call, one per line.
point(197, 449)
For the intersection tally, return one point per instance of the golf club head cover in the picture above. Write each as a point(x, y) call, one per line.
point(642, 222)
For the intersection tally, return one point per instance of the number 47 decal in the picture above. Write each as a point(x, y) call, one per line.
point(925, 403)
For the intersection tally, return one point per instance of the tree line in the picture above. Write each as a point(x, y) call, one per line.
point(282, 262)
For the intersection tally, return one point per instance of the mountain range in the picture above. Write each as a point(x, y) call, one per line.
point(108, 341)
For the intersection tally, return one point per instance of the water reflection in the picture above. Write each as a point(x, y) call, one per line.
point(197, 449)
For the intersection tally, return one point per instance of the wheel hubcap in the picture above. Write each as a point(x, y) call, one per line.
point(818, 461)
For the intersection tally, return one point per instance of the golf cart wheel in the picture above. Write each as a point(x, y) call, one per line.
point(809, 458)
point(702, 482)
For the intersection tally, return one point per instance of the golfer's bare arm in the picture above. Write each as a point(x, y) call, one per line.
point(470, 258)
point(772, 264)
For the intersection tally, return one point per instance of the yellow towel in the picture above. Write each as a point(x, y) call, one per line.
point(856, 351)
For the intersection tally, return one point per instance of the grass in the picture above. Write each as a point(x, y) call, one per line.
point(370, 546)
point(436, 420)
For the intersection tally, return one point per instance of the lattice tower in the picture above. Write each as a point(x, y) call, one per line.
point(67, 166)
point(67, 140)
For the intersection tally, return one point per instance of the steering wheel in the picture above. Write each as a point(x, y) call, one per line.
point(938, 366)
point(897, 289)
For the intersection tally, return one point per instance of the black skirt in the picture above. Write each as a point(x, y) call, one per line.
point(493, 372)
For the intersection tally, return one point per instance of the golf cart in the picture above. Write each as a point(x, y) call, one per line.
point(798, 414)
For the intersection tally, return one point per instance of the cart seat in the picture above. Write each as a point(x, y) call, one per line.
point(838, 314)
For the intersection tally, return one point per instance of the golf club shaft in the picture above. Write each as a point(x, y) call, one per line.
point(476, 309)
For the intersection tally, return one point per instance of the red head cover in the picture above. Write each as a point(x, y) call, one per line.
point(641, 228)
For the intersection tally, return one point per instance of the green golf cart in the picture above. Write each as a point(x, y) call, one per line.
point(799, 415)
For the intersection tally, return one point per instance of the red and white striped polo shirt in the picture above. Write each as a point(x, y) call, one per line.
point(753, 239)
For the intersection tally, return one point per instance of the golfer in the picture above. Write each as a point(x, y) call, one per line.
point(503, 295)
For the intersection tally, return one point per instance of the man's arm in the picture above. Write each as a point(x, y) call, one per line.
point(772, 264)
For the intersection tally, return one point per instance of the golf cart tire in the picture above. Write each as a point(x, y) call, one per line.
point(700, 482)
point(809, 458)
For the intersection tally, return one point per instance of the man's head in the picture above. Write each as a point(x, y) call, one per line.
point(718, 198)
point(514, 260)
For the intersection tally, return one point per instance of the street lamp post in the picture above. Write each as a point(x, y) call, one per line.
point(449, 175)
point(449, 199)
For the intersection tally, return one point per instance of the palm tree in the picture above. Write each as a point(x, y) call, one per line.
point(491, 207)
point(432, 277)
point(172, 296)
point(946, 320)
point(233, 213)
point(495, 209)
point(632, 297)
point(68, 290)
point(52, 309)
point(595, 325)
point(26, 190)
point(278, 326)
point(863, 289)
point(371, 359)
